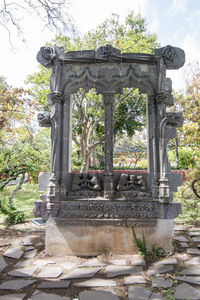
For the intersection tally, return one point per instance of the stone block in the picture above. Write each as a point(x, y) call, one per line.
point(43, 181)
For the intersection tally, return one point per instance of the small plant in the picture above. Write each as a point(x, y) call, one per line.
point(12, 215)
point(154, 254)
point(169, 294)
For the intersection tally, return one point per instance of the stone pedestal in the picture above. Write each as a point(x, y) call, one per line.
point(83, 240)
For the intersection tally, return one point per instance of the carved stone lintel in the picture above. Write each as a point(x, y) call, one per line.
point(44, 119)
point(174, 58)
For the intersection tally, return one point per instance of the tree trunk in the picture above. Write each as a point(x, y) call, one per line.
point(16, 189)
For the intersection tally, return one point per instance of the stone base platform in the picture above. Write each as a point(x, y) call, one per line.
point(63, 238)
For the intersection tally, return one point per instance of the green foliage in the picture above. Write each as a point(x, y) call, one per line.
point(169, 294)
point(152, 255)
point(12, 215)
point(188, 157)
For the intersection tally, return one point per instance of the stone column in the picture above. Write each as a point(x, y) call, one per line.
point(108, 99)
point(66, 145)
point(55, 101)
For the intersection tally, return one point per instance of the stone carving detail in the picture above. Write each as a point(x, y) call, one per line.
point(129, 182)
point(175, 119)
point(174, 58)
point(108, 50)
point(47, 55)
point(85, 182)
point(44, 119)
point(164, 97)
point(54, 97)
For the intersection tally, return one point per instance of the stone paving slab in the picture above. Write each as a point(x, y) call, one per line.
point(24, 272)
point(167, 261)
point(24, 263)
point(13, 297)
point(160, 269)
point(68, 265)
point(186, 291)
point(194, 233)
point(135, 279)
point(16, 284)
point(45, 296)
point(181, 238)
point(155, 296)
point(30, 254)
point(193, 251)
point(193, 261)
point(191, 271)
point(50, 272)
point(96, 282)
point(13, 253)
point(137, 260)
point(189, 279)
point(98, 295)
point(29, 248)
point(114, 271)
point(161, 283)
point(196, 239)
point(43, 262)
point(3, 264)
point(54, 284)
point(81, 273)
point(118, 262)
point(92, 263)
point(184, 245)
point(27, 242)
point(139, 293)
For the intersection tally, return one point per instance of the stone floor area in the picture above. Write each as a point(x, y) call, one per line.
point(26, 273)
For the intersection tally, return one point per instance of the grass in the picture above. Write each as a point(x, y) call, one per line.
point(23, 200)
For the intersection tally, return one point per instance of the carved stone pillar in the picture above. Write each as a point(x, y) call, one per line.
point(108, 99)
point(55, 102)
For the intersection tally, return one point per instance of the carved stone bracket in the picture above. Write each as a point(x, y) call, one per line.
point(44, 119)
point(175, 119)
point(174, 58)
point(54, 97)
point(164, 97)
point(47, 55)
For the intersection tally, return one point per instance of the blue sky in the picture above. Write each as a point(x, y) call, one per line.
point(176, 22)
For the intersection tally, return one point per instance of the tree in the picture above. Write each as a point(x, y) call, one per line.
point(129, 108)
point(53, 13)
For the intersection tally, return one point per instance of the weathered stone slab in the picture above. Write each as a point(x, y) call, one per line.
point(139, 293)
point(13, 253)
point(81, 273)
point(13, 297)
point(161, 283)
point(193, 261)
point(30, 254)
point(160, 269)
point(114, 271)
point(24, 272)
point(64, 284)
point(43, 262)
point(3, 264)
point(98, 295)
point(194, 233)
point(184, 245)
point(96, 282)
point(181, 238)
point(137, 260)
point(196, 239)
point(45, 296)
point(50, 272)
point(155, 296)
point(43, 181)
point(27, 242)
point(186, 291)
point(29, 248)
point(191, 271)
point(193, 251)
point(16, 284)
point(189, 279)
point(118, 262)
point(92, 263)
point(24, 263)
point(135, 279)
point(167, 261)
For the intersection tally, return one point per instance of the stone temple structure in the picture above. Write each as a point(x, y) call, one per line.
point(93, 213)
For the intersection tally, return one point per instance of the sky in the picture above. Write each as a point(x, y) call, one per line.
point(175, 22)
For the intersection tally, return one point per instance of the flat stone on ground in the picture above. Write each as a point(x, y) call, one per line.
point(13, 253)
point(3, 264)
point(196, 239)
point(181, 238)
point(13, 297)
point(194, 233)
point(193, 251)
point(189, 279)
point(186, 291)
point(27, 242)
point(184, 245)
point(191, 271)
point(193, 261)
point(135, 279)
point(137, 260)
point(96, 282)
point(167, 261)
point(54, 284)
point(24, 272)
point(30, 254)
point(50, 272)
point(114, 271)
point(155, 296)
point(160, 269)
point(16, 284)
point(161, 283)
point(29, 248)
point(68, 265)
point(139, 293)
point(24, 263)
point(43, 262)
point(118, 262)
point(45, 296)
point(92, 263)
point(81, 273)
point(98, 295)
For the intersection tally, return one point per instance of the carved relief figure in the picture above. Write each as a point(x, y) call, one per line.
point(131, 182)
point(85, 182)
